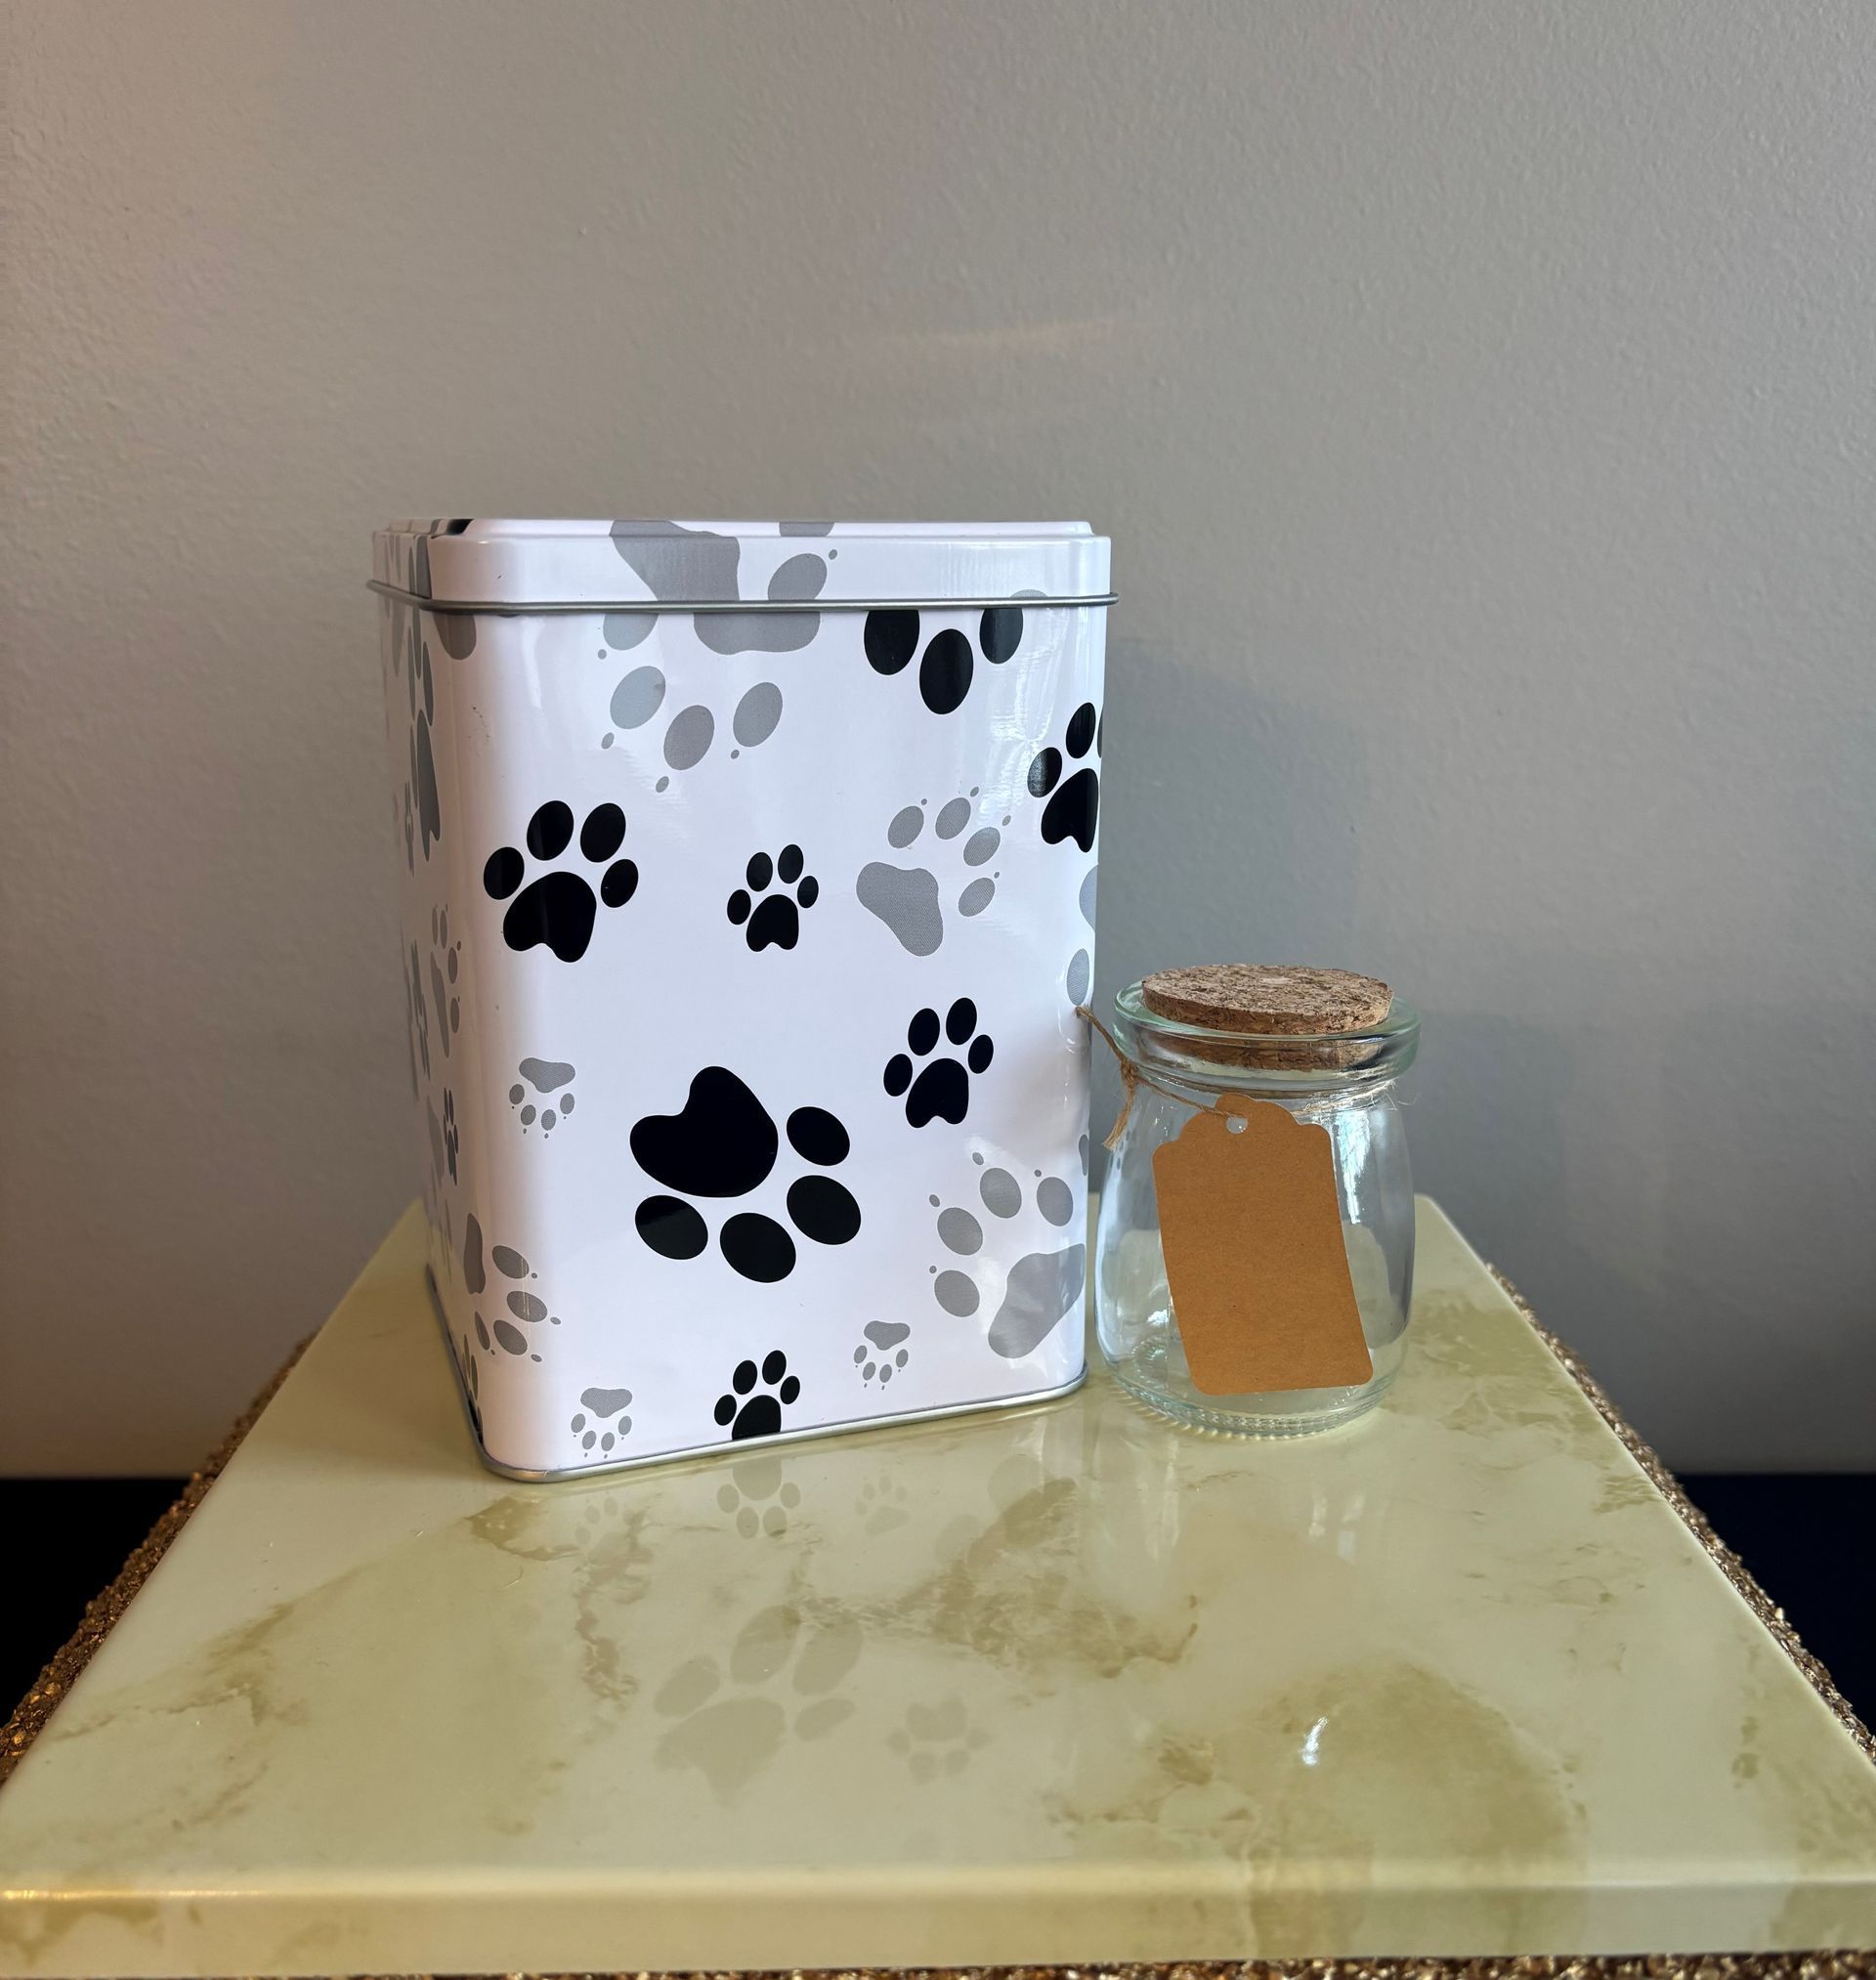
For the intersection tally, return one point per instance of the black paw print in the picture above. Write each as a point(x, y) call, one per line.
point(945, 672)
point(451, 1141)
point(773, 922)
point(559, 907)
point(757, 1414)
point(942, 1090)
point(1073, 807)
point(723, 1143)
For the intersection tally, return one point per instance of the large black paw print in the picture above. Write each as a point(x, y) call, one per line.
point(772, 919)
point(559, 907)
point(724, 1143)
point(759, 1415)
point(1074, 808)
point(942, 1090)
point(945, 672)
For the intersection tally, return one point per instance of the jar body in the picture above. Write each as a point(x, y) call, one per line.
point(1136, 1325)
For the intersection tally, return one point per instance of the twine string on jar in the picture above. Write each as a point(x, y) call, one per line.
point(1134, 1076)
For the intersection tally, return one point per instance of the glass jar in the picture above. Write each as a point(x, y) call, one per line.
point(1343, 1081)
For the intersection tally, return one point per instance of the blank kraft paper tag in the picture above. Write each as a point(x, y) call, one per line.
point(1251, 1230)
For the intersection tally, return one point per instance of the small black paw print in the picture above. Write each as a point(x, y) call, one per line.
point(942, 1090)
point(1074, 808)
point(559, 907)
point(773, 921)
point(452, 1139)
point(608, 1422)
point(752, 1410)
point(945, 672)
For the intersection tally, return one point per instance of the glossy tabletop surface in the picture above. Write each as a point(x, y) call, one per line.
point(1063, 1684)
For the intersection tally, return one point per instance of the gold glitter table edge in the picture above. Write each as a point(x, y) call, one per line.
point(102, 1614)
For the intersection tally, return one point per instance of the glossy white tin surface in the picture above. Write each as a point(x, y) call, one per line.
point(679, 891)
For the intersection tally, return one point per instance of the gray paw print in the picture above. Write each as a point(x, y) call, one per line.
point(1040, 1288)
point(911, 900)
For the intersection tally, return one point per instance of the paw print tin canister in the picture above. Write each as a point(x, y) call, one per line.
point(747, 878)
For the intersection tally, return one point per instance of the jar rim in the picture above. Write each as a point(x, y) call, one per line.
point(1350, 1057)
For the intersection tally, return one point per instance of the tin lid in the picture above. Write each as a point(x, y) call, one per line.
point(512, 565)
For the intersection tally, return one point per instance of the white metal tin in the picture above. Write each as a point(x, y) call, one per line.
point(686, 893)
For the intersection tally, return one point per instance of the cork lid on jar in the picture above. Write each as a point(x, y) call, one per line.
point(1258, 1003)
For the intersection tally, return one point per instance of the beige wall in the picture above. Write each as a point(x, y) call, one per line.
point(1481, 398)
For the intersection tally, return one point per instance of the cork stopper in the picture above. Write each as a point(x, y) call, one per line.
point(1265, 1001)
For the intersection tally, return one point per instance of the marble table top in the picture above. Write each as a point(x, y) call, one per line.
point(1062, 1685)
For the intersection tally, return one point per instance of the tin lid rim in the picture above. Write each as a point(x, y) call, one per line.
point(511, 563)
point(520, 607)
